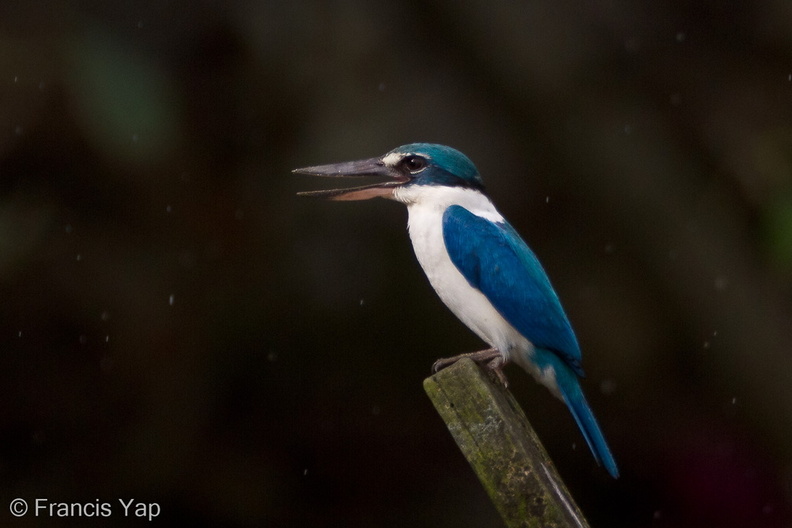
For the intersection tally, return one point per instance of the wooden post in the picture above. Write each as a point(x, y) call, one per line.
point(496, 438)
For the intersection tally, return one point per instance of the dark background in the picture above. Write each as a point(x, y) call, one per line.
point(177, 326)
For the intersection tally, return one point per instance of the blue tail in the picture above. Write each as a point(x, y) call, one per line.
point(569, 386)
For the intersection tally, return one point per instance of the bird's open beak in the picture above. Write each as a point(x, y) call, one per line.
point(362, 168)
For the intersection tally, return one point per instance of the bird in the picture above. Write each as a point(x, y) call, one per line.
point(480, 268)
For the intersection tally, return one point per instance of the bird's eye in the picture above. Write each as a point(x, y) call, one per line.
point(414, 164)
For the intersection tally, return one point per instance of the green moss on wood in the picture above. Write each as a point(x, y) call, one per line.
point(502, 447)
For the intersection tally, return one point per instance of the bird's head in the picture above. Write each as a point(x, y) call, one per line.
point(408, 165)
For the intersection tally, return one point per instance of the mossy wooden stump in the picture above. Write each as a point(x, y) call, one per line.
point(496, 438)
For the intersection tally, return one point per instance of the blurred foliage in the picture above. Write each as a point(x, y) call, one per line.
point(178, 327)
point(128, 107)
point(778, 213)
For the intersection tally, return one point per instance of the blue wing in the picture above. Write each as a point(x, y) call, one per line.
point(495, 260)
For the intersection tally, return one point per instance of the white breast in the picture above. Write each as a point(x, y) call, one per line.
point(426, 205)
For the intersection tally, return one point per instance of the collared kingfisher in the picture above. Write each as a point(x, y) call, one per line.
point(481, 269)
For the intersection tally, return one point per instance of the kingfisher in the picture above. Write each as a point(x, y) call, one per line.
point(480, 268)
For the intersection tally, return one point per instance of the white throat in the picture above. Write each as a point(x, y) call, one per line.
point(437, 198)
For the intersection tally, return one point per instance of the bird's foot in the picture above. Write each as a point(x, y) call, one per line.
point(490, 358)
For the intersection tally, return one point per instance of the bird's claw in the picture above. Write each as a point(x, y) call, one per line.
point(442, 363)
point(496, 366)
point(491, 359)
